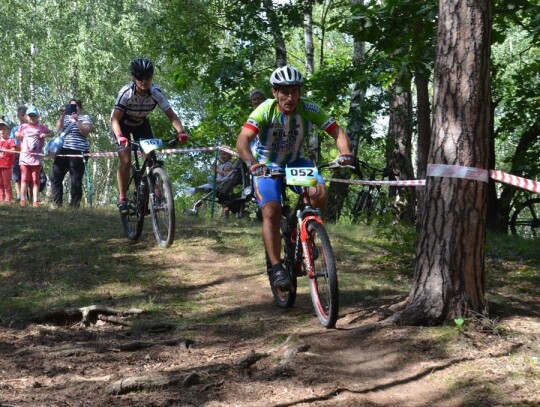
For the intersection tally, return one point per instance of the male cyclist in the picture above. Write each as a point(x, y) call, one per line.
point(134, 103)
point(272, 138)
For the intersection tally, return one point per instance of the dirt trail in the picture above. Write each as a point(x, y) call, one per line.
point(246, 352)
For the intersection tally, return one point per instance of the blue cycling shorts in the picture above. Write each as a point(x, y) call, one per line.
point(269, 188)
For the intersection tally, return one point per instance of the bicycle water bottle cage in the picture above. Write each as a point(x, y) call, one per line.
point(305, 177)
point(151, 144)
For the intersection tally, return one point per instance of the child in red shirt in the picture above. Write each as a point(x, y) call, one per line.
point(6, 162)
point(32, 135)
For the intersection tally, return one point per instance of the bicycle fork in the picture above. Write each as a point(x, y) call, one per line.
point(304, 237)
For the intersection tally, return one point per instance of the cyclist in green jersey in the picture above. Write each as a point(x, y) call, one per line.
point(272, 137)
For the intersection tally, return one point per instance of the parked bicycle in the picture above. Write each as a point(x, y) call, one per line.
point(525, 221)
point(306, 247)
point(149, 192)
point(371, 199)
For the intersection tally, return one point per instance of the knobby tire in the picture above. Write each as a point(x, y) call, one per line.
point(286, 299)
point(525, 222)
point(133, 220)
point(323, 286)
point(161, 204)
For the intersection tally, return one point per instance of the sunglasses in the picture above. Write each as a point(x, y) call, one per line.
point(142, 78)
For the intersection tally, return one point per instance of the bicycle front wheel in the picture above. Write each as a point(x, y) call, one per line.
point(133, 219)
point(161, 202)
point(525, 221)
point(323, 284)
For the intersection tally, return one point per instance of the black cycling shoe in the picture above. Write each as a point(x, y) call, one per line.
point(282, 281)
point(123, 206)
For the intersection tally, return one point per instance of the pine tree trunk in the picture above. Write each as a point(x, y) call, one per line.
point(399, 145)
point(423, 118)
point(450, 271)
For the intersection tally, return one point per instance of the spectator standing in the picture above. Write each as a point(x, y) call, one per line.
point(6, 163)
point(72, 157)
point(16, 171)
point(31, 135)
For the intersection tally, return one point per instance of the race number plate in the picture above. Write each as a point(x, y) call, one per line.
point(306, 177)
point(151, 144)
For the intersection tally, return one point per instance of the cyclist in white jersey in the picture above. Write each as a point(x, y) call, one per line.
point(272, 137)
point(134, 103)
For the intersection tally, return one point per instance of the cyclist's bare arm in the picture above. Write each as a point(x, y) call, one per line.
point(175, 120)
point(115, 121)
point(342, 141)
point(243, 142)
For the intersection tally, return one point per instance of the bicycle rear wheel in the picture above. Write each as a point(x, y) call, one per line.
point(286, 299)
point(525, 221)
point(161, 204)
point(323, 285)
point(133, 220)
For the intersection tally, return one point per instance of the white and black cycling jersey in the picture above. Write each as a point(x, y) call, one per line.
point(139, 107)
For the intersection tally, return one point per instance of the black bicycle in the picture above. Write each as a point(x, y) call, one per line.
point(525, 221)
point(371, 199)
point(149, 192)
point(306, 248)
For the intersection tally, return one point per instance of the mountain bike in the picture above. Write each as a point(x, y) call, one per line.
point(306, 248)
point(149, 192)
point(371, 199)
point(525, 221)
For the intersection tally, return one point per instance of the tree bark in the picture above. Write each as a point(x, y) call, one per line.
point(399, 144)
point(450, 271)
point(279, 42)
point(308, 37)
point(423, 117)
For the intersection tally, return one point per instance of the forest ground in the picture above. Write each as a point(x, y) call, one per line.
point(210, 334)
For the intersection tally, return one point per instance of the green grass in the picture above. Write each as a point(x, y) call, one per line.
point(64, 258)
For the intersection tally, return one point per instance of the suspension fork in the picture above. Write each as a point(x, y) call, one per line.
point(304, 240)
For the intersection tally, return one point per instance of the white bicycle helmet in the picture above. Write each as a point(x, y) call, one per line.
point(286, 75)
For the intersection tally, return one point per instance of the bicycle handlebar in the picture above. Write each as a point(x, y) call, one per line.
point(168, 142)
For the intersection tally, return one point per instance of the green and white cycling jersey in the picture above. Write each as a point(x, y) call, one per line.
point(280, 136)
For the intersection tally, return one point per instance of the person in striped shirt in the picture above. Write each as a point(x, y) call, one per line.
point(71, 158)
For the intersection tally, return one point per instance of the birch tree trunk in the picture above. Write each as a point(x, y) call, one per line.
point(449, 275)
point(279, 42)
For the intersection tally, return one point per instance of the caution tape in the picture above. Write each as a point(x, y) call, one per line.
point(402, 183)
point(457, 171)
point(433, 170)
point(523, 183)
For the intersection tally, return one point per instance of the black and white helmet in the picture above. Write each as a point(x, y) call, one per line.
point(142, 68)
point(286, 75)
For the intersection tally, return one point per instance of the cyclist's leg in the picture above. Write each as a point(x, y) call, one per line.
point(317, 195)
point(268, 195)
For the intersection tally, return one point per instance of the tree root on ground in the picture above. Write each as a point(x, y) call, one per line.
point(86, 315)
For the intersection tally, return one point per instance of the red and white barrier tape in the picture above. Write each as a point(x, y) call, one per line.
point(523, 183)
point(457, 171)
point(433, 170)
point(403, 183)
